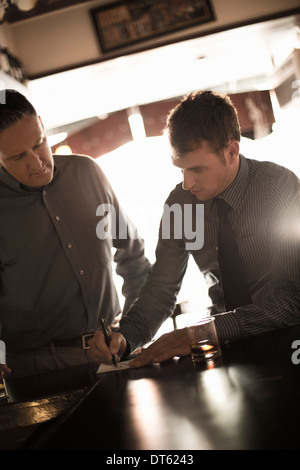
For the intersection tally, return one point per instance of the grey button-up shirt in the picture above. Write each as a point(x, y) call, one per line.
point(265, 201)
point(56, 277)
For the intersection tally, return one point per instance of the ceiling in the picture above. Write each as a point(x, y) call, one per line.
point(233, 61)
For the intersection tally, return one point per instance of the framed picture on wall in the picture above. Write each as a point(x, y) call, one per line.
point(121, 24)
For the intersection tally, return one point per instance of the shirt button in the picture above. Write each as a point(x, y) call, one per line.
point(44, 192)
point(69, 245)
point(217, 248)
point(57, 217)
point(81, 272)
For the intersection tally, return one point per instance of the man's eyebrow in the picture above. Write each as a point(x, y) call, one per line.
point(40, 140)
point(196, 167)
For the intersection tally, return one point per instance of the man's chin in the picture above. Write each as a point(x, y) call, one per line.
point(44, 178)
point(200, 195)
point(39, 181)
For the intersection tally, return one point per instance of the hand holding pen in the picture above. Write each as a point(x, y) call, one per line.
point(107, 339)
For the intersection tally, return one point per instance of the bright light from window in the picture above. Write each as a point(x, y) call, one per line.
point(137, 126)
point(56, 138)
point(136, 123)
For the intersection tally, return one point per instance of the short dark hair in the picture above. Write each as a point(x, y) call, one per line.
point(202, 115)
point(14, 107)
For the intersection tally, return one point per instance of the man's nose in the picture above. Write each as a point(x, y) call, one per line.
point(188, 180)
point(35, 161)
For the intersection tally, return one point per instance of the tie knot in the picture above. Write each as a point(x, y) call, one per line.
point(223, 208)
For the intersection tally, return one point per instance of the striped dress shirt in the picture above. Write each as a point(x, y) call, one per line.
point(265, 202)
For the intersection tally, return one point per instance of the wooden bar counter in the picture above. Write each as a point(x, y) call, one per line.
point(247, 400)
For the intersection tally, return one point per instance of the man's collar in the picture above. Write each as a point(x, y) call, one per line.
point(12, 183)
point(233, 195)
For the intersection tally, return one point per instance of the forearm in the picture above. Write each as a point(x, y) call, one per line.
point(275, 312)
point(145, 317)
point(157, 299)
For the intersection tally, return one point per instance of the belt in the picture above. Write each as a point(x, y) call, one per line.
point(78, 342)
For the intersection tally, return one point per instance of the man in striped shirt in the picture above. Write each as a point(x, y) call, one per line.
point(264, 203)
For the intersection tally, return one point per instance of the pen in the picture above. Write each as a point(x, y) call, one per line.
point(107, 339)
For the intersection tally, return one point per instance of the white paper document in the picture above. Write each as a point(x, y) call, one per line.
point(110, 367)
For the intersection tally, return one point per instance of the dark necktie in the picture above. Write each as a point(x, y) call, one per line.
point(232, 272)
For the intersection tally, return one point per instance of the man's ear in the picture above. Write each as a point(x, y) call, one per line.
point(233, 150)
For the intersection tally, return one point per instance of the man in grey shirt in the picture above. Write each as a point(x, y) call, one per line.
point(56, 279)
point(263, 200)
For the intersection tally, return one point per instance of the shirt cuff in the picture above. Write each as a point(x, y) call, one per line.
point(132, 335)
point(228, 327)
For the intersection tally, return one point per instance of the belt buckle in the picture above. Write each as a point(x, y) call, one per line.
point(85, 339)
